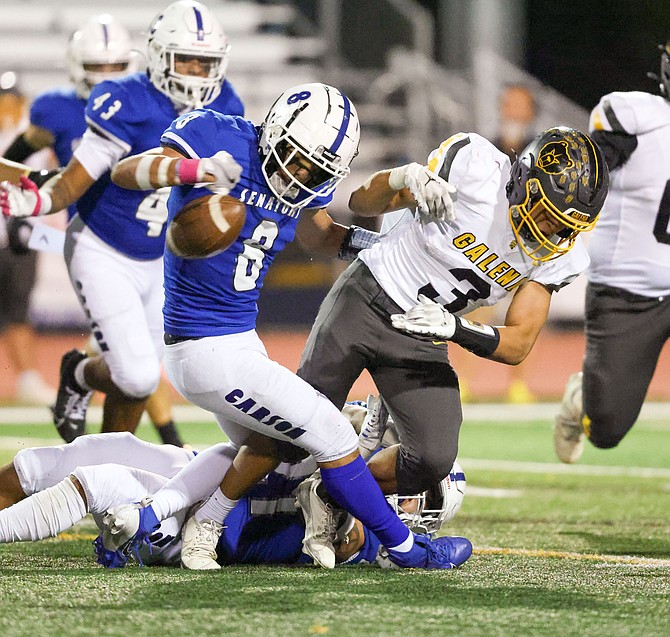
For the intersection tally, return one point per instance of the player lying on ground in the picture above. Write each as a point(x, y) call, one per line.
point(100, 471)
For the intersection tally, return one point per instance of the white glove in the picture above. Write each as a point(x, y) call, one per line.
point(225, 170)
point(427, 318)
point(23, 200)
point(434, 196)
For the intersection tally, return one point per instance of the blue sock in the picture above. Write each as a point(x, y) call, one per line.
point(354, 489)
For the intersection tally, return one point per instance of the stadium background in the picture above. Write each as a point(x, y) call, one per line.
point(418, 71)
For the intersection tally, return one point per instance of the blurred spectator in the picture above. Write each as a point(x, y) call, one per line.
point(517, 113)
point(18, 267)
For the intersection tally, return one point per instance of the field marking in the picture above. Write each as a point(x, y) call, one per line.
point(569, 555)
point(501, 412)
point(486, 492)
point(511, 466)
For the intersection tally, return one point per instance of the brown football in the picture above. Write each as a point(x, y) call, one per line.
point(206, 226)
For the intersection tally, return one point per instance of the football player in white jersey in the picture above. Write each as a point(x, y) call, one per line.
point(507, 231)
point(628, 292)
point(114, 245)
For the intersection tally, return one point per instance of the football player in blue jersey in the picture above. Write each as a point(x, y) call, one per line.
point(114, 245)
point(288, 169)
point(46, 490)
point(101, 49)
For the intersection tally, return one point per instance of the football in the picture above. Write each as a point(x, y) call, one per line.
point(206, 226)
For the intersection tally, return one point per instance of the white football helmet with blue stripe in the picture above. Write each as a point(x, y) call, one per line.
point(315, 127)
point(182, 31)
point(426, 512)
point(92, 49)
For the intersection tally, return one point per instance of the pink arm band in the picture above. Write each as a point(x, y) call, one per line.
point(187, 171)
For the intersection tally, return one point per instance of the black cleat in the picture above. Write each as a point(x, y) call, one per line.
point(69, 411)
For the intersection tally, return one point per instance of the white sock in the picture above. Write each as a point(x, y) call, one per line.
point(216, 508)
point(404, 547)
point(44, 514)
point(198, 479)
point(79, 375)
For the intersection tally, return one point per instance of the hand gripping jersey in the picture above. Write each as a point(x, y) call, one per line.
point(630, 246)
point(133, 114)
point(218, 295)
point(475, 260)
point(61, 112)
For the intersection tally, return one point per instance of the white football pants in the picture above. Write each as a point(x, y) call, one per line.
point(232, 377)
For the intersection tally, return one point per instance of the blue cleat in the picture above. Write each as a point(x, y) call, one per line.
point(107, 558)
point(441, 552)
point(127, 527)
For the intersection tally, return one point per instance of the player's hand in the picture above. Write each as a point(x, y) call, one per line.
point(22, 200)
point(427, 319)
point(434, 196)
point(219, 172)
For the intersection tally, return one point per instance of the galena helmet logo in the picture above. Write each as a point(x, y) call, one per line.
point(554, 158)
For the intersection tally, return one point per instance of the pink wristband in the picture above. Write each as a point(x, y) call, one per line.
point(187, 171)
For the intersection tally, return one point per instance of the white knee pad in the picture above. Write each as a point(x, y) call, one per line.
point(138, 378)
point(332, 436)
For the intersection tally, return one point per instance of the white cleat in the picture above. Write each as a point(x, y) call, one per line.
point(120, 525)
point(569, 434)
point(320, 523)
point(199, 540)
point(373, 427)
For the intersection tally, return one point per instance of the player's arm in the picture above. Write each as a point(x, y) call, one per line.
point(410, 186)
point(617, 146)
point(32, 140)
point(376, 196)
point(92, 159)
point(509, 344)
point(525, 318)
point(166, 166)
point(319, 233)
point(12, 171)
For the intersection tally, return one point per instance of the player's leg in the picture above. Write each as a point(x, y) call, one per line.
point(159, 409)
point(624, 332)
point(344, 335)
point(36, 469)
point(112, 289)
point(425, 406)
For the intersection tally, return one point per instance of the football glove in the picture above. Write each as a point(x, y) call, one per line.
point(225, 170)
point(24, 199)
point(434, 196)
point(428, 318)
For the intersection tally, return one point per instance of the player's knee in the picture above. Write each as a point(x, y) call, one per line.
point(138, 381)
point(606, 430)
point(604, 439)
point(417, 473)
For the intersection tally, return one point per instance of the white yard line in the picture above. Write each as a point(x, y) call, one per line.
point(653, 411)
point(568, 555)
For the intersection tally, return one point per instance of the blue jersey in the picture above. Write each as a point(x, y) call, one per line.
point(218, 295)
point(133, 113)
point(61, 112)
point(266, 528)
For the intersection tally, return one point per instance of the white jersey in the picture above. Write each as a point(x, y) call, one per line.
point(474, 260)
point(630, 246)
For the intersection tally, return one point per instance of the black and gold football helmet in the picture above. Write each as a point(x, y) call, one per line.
point(563, 172)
